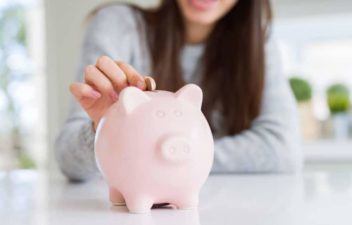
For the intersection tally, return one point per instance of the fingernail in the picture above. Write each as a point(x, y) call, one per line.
point(114, 96)
point(121, 75)
point(95, 94)
point(140, 84)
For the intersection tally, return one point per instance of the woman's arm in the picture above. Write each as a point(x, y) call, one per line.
point(109, 33)
point(272, 144)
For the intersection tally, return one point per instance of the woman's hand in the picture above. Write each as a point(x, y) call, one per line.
point(103, 83)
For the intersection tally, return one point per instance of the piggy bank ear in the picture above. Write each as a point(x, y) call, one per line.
point(191, 93)
point(131, 98)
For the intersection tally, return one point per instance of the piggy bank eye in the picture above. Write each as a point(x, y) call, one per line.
point(177, 113)
point(160, 113)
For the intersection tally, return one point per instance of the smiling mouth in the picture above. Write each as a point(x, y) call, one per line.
point(203, 4)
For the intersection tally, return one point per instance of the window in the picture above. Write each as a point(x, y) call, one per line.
point(318, 50)
point(22, 120)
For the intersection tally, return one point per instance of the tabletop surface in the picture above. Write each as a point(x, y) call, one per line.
point(313, 197)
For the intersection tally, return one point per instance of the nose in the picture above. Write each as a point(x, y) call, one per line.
point(176, 149)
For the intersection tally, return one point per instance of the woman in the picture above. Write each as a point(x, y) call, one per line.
point(223, 46)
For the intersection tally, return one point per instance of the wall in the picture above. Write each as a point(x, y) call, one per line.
point(303, 8)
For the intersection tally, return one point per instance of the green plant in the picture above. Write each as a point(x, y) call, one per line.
point(302, 90)
point(338, 98)
point(26, 162)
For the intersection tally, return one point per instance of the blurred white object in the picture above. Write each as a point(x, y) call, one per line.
point(341, 126)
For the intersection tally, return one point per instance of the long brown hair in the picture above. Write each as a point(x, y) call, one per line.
point(233, 64)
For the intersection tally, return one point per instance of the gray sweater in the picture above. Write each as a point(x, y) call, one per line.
point(270, 145)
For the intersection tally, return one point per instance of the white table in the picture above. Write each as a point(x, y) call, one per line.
point(313, 198)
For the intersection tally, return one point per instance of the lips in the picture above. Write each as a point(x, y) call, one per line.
point(203, 4)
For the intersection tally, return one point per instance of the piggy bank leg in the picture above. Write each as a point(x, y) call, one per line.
point(139, 204)
point(116, 197)
point(188, 201)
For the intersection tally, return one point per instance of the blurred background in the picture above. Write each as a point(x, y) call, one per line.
point(39, 50)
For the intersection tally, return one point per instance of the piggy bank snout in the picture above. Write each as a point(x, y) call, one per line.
point(176, 149)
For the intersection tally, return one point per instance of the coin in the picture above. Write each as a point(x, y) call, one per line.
point(151, 85)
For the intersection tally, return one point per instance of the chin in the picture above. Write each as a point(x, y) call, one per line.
point(202, 18)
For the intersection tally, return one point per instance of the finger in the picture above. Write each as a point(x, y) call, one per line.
point(133, 77)
point(84, 94)
point(95, 78)
point(150, 82)
point(113, 72)
point(81, 90)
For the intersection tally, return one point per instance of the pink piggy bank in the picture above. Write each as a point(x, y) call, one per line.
point(155, 147)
